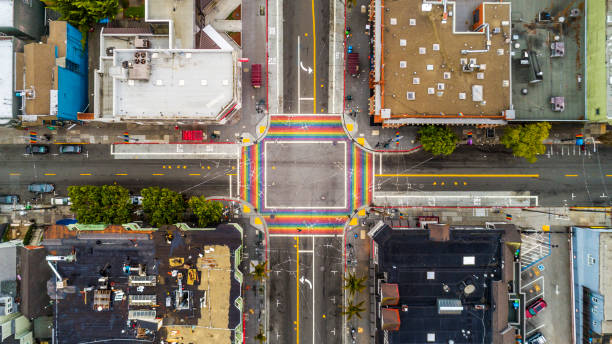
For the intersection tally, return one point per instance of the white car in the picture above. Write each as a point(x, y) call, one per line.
point(61, 201)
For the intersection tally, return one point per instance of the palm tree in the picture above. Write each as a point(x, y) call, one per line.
point(260, 337)
point(353, 284)
point(260, 272)
point(353, 310)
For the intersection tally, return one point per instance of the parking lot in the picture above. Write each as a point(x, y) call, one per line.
point(546, 274)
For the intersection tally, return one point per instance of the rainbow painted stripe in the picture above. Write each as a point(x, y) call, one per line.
point(360, 168)
point(306, 128)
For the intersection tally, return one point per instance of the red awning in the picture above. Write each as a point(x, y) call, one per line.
point(193, 135)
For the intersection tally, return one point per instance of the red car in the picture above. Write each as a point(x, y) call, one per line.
point(535, 307)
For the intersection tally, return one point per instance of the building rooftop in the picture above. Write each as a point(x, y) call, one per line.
point(145, 303)
point(432, 70)
point(462, 269)
point(6, 79)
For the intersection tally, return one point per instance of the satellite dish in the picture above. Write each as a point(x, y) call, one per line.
point(470, 288)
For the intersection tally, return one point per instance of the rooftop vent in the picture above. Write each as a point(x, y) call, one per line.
point(410, 96)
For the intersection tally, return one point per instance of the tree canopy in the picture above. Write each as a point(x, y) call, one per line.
point(353, 284)
point(208, 212)
point(108, 204)
point(84, 14)
point(438, 140)
point(526, 140)
point(162, 206)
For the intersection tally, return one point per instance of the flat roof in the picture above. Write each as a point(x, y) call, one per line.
point(7, 75)
point(408, 255)
point(6, 13)
point(182, 83)
point(423, 62)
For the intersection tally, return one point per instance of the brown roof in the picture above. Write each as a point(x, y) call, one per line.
point(500, 315)
point(61, 232)
point(390, 319)
point(438, 232)
point(389, 294)
point(40, 73)
point(205, 42)
point(144, 30)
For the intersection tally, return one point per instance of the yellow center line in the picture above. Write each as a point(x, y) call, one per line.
point(121, 174)
point(314, 60)
point(608, 175)
point(426, 175)
point(571, 175)
point(297, 290)
point(194, 174)
point(231, 174)
point(86, 174)
point(158, 174)
point(14, 174)
point(50, 174)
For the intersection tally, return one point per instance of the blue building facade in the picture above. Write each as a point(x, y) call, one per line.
point(72, 91)
point(588, 300)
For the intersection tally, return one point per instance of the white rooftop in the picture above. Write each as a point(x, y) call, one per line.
point(6, 13)
point(6, 78)
point(182, 83)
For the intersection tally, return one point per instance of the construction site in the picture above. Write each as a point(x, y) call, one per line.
point(160, 286)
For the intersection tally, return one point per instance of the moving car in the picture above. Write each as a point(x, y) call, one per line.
point(61, 201)
point(9, 199)
point(41, 188)
point(537, 338)
point(71, 149)
point(37, 149)
point(535, 307)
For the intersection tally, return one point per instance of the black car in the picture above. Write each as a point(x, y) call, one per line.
point(37, 149)
point(71, 149)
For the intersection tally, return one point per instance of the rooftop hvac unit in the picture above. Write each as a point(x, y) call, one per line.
point(140, 43)
point(110, 51)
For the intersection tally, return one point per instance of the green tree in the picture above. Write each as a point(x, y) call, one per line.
point(260, 336)
point(354, 285)
point(84, 14)
point(108, 204)
point(260, 271)
point(438, 140)
point(162, 206)
point(352, 310)
point(606, 138)
point(526, 140)
point(208, 212)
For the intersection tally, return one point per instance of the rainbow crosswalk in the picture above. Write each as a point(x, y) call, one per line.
point(306, 221)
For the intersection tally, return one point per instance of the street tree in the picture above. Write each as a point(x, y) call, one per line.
point(351, 309)
point(84, 14)
point(162, 206)
point(107, 204)
point(208, 212)
point(260, 271)
point(353, 284)
point(526, 140)
point(260, 337)
point(438, 140)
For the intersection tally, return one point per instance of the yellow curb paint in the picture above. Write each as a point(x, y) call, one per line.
point(571, 175)
point(194, 174)
point(262, 129)
point(208, 167)
point(257, 221)
point(157, 174)
point(361, 140)
point(361, 212)
point(349, 127)
point(233, 167)
point(246, 209)
point(354, 221)
point(14, 174)
point(50, 174)
point(86, 174)
point(546, 228)
point(184, 166)
point(121, 174)
point(246, 140)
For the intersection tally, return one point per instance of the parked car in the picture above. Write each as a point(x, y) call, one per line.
point(71, 149)
point(536, 338)
point(61, 201)
point(136, 200)
point(41, 188)
point(535, 307)
point(9, 199)
point(37, 149)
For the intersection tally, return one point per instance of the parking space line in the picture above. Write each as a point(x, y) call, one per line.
point(534, 329)
point(539, 278)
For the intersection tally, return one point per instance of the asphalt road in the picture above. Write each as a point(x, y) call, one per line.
point(305, 56)
point(318, 283)
point(96, 167)
point(569, 179)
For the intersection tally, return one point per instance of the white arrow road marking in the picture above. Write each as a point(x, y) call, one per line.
point(302, 280)
point(309, 70)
